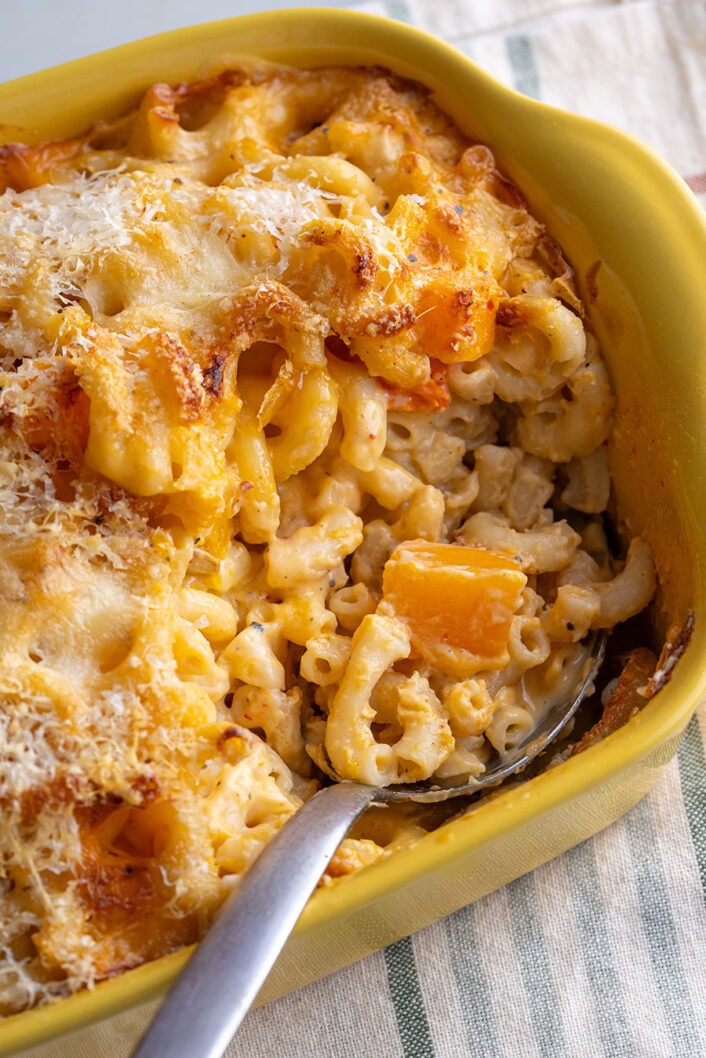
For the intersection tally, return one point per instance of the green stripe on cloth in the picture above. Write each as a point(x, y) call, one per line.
point(398, 9)
point(596, 950)
point(521, 55)
point(692, 771)
point(651, 884)
point(408, 1000)
point(473, 984)
point(533, 961)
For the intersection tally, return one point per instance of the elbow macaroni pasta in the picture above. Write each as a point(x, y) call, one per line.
point(303, 460)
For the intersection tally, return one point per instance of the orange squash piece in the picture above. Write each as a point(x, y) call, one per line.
point(457, 602)
point(121, 886)
point(457, 322)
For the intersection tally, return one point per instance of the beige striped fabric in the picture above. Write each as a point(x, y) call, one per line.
point(602, 952)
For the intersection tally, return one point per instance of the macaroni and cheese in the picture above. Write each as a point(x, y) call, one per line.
point(303, 460)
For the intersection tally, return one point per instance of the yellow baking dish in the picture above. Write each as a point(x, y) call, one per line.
point(637, 239)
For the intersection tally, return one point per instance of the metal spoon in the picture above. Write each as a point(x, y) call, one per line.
point(219, 983)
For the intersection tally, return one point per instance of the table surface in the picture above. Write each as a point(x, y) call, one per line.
point(601, 952)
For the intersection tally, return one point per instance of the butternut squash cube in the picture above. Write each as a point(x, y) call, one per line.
point(458, 603)
point(456, 323)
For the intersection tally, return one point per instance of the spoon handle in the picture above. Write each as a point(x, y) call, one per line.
point(215, 990)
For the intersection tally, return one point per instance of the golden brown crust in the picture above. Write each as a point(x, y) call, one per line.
point(628, 697)
point(23, 166)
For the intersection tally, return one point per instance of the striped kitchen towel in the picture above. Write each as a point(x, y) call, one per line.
point(600, 953)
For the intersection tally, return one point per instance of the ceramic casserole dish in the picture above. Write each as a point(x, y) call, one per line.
point(637, 241)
